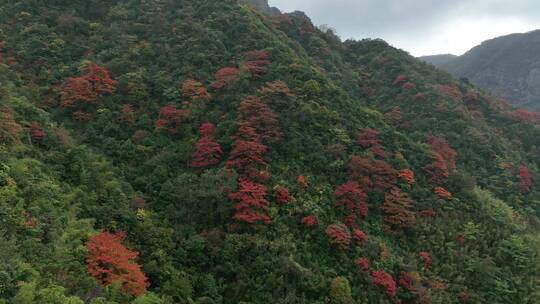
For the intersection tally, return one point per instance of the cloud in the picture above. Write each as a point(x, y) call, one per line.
point(422, 26)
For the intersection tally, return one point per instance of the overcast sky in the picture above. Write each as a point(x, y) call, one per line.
point(422, 27)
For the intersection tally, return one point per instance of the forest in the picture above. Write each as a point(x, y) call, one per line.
point(201, 152)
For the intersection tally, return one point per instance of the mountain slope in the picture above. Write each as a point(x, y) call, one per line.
point(329, 172)
point(507, 66)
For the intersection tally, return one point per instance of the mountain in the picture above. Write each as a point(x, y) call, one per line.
point(507, 66)
point(264, 7)
point(187, 151)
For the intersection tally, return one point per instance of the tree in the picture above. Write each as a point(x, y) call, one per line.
point(108, 261)
point(256, 62)
point(407, 175)
point(281, 194)
point(224, 77)
point(339, 235)
point(208, 152)
point(372, 174)
point(95, 83)
point(127, 115)
point(369, 139)
point(246, 157)
point(275, 93)
point(170, 118)
point(442, 193)
point(308, 221)
point(302, 182)
point(253, 112)
point(440, 146)
point(352, 198)
point(393, 117)
point(359, 236)
point(340, 291)
point(10, 130)
point(36, 132)
point(195, 91)
point(426, 259)
point(437, 171)
point(251, 203)
point(525, 179)
point(397, 213)
point(384, 280)
point(362, 264)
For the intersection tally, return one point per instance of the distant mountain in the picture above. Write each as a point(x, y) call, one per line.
point(507, 66)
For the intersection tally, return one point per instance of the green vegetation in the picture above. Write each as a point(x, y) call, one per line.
point(186, 151)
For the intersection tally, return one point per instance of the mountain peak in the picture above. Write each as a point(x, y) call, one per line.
point(263, 6)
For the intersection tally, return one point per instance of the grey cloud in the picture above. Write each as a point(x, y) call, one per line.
point(406, 22)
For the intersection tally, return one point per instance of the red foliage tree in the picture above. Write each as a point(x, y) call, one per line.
point(195, 91)
point(524, 115)
point(440, 146)
point(397, 213)
point(418, 96)
point(208, 152)
point(407, 86)
point(87, 88)
point(369, 139)
point(450, 91)
point(339, 235)
point(525, 179)
point(251, 203)
point(375, 174)
point(437, 171)
point(302, 182)
point(36, 132)
point(256, 62)
point(170, 118)
point(406, 281)
point(442, 193)
point(428, 213)
point(224, 76)
point(247, 153)
point(108, 261)
point(407, 175)
point(308, 221)
point(426, 259)
point(101, 80)
point(352, 198)
point(362, 263)
point(359, 236)
point(253, 112)
point(400, 79)
point(384, 280)
point(281, 194)
point(276, 93)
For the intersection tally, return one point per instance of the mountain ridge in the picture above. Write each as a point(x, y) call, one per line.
point(200, 152)
point(507, 66)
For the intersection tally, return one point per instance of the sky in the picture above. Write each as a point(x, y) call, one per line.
point(422, 27)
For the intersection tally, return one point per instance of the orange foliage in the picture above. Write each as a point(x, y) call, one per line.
point(108, 261)
point(224, 76)
point(442, 193)
point(253, 112)
point(339, 235)
point(407, 175)
point(397, 213)
point(195, 91)
point(86, 89)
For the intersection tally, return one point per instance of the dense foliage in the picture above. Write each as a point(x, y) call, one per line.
point(185, 151)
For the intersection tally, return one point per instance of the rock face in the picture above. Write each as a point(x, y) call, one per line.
point(507, 66)
point(263, 6)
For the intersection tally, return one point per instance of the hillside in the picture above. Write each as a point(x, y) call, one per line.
point(507, 66)
point(186, 151)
